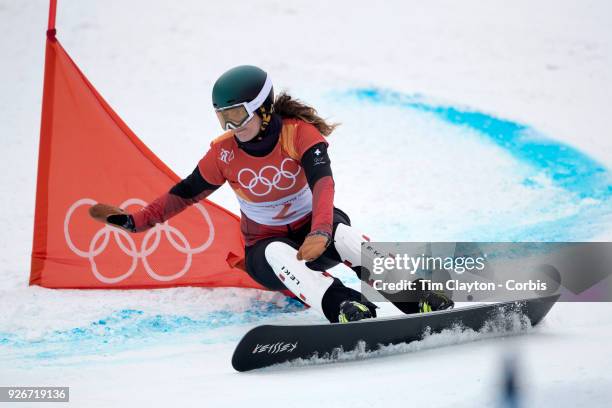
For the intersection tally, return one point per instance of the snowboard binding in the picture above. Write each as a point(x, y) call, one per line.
point(432, 301)
point(352, 311)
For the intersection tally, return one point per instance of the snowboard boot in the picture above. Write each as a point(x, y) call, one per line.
point(351, 311)
point(432, 301)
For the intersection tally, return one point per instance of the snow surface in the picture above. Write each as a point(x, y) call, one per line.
point(411, 83)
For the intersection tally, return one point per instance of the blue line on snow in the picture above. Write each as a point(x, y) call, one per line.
point(568, 168)
point(565, 165)
point(127, 328)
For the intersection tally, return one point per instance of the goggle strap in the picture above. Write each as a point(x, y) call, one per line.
point(261, 97)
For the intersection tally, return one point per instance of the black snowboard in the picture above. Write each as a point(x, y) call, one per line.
point(268, 344)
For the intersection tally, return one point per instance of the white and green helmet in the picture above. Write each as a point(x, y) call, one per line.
point(240, 93)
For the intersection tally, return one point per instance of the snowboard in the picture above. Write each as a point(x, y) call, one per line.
point(267, 345)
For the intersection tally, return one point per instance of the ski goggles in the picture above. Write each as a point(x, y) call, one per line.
point(237, 115)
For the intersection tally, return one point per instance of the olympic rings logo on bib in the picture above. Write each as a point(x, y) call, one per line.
point(270, 177)
point(100, 240)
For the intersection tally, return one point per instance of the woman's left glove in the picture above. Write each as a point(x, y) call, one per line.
point(114, 216)
point(313, 246)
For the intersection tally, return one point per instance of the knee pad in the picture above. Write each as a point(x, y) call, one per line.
point(347, 241)
point(303, 282)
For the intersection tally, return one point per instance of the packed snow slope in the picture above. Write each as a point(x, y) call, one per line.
point(462, 120)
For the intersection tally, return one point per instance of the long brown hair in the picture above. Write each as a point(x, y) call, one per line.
point(288, 107)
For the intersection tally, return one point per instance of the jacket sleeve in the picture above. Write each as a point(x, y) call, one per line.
point(183, 194)
point(317, 167)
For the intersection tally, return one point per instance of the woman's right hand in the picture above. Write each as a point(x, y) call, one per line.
point(114, 216)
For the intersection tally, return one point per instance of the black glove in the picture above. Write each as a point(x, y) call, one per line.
point(125, 221)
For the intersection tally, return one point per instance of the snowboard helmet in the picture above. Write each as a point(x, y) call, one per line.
point(240, 93)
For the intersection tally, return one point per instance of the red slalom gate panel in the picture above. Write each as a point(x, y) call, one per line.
point(88, 154)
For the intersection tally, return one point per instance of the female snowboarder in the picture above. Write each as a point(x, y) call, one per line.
point(274, 156)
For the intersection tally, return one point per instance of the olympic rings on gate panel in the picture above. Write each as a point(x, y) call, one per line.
point(149, 245)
